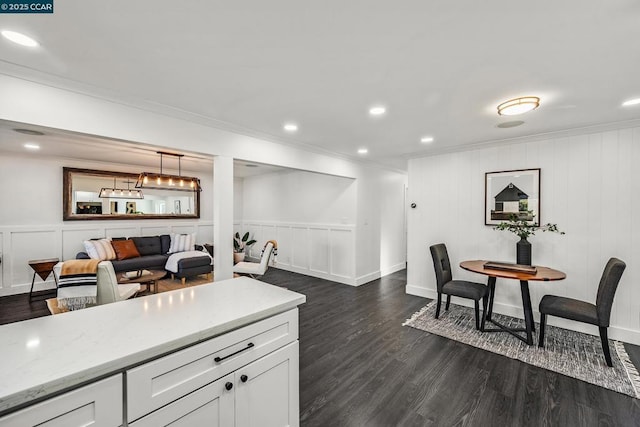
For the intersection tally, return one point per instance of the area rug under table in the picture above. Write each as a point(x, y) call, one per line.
point(567, 352)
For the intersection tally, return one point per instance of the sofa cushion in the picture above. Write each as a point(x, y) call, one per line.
point(165, 243)
point(182, 242)
point(125, 249)
point(148, 245)
point(99, 249)
point(154, 262)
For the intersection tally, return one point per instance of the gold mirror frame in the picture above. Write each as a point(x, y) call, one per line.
point(67, 198)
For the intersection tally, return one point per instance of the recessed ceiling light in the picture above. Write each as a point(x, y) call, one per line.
point(19, 38)
point(426, 139)
point(630, 102)
point(516, 106)
point(362, 151)
point(378, 110)
point(290, 127)
point(29, 132)
point(30, 146)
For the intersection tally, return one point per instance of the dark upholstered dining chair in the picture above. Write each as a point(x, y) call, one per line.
point(585, 312)
point(458, 288)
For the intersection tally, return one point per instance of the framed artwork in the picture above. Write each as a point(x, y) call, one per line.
point(176, 207)
point(514, 192)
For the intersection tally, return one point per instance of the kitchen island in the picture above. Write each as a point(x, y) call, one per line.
point(183, 355)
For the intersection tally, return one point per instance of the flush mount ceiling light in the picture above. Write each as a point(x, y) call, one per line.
point(517, 106)
point(362, 151)
point(19, 38)
point(31, 146)
point(120, 193)
point(163, 181)
point(290, 127)
point(378, 110)
point(426, 139)
point(631, 102)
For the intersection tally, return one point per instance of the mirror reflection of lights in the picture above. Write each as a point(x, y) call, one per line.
point(33, 343)
point(170, 299)
point(181, 296)
point(193, 294)
point(159, 302)
point(146, 306)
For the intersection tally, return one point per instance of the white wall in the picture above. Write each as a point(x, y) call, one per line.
point(33, 103)
point(31, 225)
point(588, 187)
point(323, 225)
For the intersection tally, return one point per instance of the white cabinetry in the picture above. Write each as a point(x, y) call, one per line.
point(98, 405)
point(247, 377)
point(261, 394)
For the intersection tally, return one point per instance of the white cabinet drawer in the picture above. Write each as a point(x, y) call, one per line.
point(162, 381)
point(210, 406)
point(98, 405)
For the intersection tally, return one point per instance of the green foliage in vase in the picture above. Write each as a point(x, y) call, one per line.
point(240, 243)
point(524, 229)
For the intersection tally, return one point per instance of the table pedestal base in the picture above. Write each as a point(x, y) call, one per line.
point(528, 313)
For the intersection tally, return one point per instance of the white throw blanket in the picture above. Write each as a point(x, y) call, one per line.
point(172, 262)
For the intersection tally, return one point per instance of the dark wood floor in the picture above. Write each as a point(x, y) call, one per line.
point(360, 367)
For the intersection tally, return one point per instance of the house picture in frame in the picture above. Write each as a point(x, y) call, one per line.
point(513, 192)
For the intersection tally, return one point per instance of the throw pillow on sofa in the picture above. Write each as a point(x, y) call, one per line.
point(125, 249)
point(99, 249)
point(182, 242)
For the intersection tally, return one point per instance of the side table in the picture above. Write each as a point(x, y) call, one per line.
point(43, 268)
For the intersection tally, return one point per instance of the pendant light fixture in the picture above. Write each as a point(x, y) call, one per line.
point(120, 193)
point(162, 181)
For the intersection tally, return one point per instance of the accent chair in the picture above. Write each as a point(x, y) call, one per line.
point(597, 314)
point(458, 288)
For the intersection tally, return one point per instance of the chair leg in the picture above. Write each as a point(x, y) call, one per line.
point(485, 303)
point(477, 305)
point(446, 307)
point(605, 345)
point(183, 280)
point(438, 306)
point(543, 322)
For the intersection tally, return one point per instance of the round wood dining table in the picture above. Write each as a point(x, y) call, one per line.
point(542, 274)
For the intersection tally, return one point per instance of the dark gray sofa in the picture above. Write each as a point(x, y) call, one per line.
point(153, 255)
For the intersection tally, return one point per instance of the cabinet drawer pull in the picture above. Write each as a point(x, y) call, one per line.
point(220, 359)
point(228, 386)
point(244, 378)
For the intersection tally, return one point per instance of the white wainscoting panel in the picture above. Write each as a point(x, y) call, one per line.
point(342, 253)
point(28, 245)
point(300, 248)
point(319, 253)
point(320, 250)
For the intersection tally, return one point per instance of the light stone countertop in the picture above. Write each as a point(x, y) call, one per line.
point(48, 354)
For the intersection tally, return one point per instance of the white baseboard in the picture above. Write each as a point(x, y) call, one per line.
point(367, 278)
point(318, 274)
point(392, 269)
point(615, 332)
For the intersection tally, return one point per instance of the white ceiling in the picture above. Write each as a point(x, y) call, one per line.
point(440, 67)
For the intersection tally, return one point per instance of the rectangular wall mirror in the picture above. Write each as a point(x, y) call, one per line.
point(82, 198)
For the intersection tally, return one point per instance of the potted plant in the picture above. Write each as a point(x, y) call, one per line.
point(523, 229)
point(239, 245)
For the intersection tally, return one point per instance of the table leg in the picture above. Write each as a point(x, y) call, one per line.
point(528, 313)
point(492, 290)
point(32, 281)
